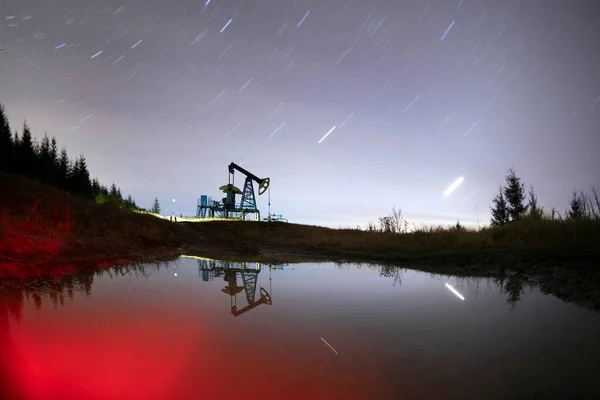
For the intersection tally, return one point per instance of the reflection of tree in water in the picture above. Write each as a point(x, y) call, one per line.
point(513, 286)
point(56, 289)
point(395, 273)
point(385, 271)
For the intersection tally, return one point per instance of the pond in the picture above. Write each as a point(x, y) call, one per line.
point(203, 329)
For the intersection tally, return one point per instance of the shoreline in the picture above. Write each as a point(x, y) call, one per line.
point(577, 282)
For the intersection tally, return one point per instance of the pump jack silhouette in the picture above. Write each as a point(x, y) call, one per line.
point(210, 269)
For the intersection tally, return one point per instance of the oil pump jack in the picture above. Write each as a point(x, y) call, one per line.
point(228, 208)
point(210, 269)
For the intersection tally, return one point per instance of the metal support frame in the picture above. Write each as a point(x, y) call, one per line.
point(228, 208)
point(211, 269)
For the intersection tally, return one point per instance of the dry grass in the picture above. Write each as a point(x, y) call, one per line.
point(540, 236)
point(39, 224)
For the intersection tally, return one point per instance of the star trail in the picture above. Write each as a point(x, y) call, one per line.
point(351, 107)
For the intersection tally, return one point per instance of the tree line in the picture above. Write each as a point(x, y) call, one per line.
point(512, 204)
point(22, 154)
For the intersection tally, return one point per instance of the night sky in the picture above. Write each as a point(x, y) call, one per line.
point(160, 96)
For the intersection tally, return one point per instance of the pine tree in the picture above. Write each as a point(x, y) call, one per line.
point(113, 192)
point(102, 195)
point(577, 207)
point(6, 143)
point(95, 185)
point(63, 169)
point(25, 154)
point(53, 149)
point(129, 203)
point(80, 178)
point(535, 211)
point(53, 160)
point(514, 193)
point(155, 207)
point(46, 163)
point(500, 215)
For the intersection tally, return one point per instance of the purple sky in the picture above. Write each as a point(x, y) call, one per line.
point(160, 96)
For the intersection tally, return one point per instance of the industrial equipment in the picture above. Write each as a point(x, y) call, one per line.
point(227, 207)
point(211, 269)
point(275, 218)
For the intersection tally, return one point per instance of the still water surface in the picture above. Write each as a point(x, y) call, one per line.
point(199, 329)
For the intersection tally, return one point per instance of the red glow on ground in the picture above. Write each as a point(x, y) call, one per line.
point(135, 358)
point(37, 232)
point(139, 352)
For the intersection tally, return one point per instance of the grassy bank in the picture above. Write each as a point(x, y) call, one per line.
point(559, 257)
point(528, 240)
point(43, 229)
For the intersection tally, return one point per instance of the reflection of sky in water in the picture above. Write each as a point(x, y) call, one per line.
point(171, 337)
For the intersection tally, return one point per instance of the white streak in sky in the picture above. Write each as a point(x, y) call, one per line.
point(423, 13)
point(460, 3)
point(345, 53)
point(97, 54)
point(497, 75)
point(275, 110)
point(472, 127)
point(226, 25)
point(246, 84)
point(72, 129)
point(346, 120)
point(218, 97)
point(199, 37)
point(384, 86)
point(461, 62)
point(468, 197)
point(85, 118)
point(596, 102)
point(444, 123)
point(135, 45)
point(454, 186)
point(480, 19)
point(412, 102)
point(60, 46)
point(224, 51)
point(233, 129)
point(327, 134)
point(303, 18)
point(118, 59)
point(207, 2)
point(447, 30)
point(276, 130)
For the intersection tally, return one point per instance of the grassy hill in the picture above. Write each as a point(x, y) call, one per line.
point(43, 228)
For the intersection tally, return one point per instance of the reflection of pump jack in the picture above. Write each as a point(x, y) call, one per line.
point(249, 281)
point(210, 269)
